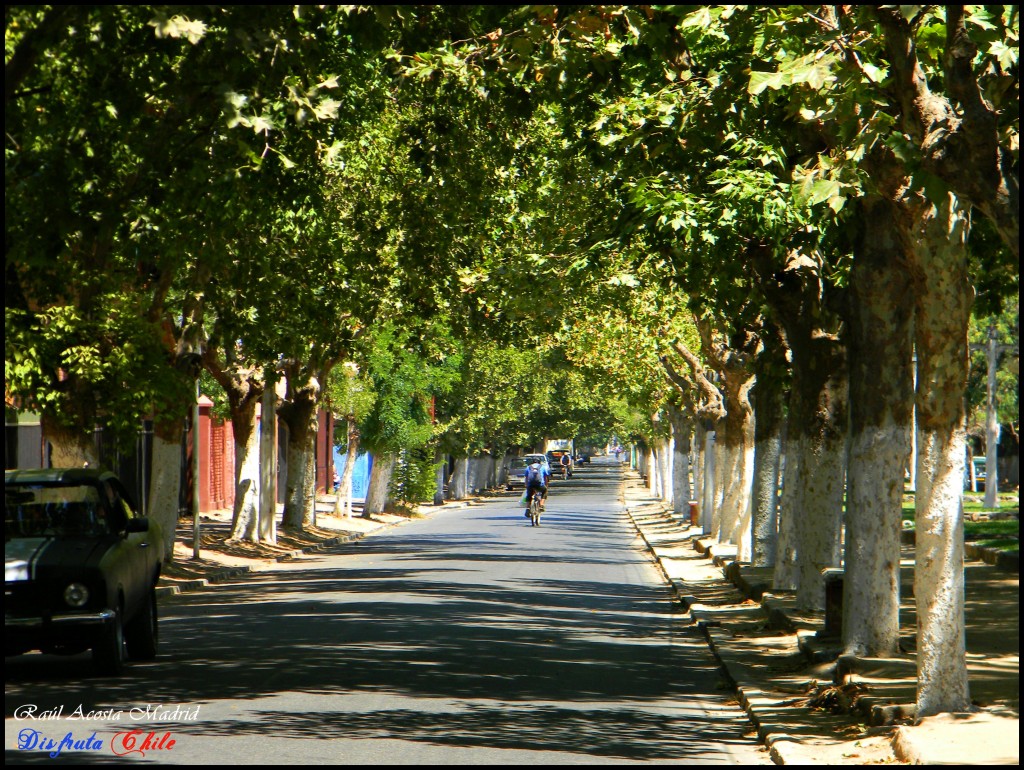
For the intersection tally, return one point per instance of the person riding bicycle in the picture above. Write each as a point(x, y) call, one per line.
point(566, 462)
point(536, 478)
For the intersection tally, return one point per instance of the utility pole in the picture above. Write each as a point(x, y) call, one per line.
point(991, 424)
point(195, 475)
point(992, 429)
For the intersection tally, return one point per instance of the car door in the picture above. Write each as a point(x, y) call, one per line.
point(136, 550)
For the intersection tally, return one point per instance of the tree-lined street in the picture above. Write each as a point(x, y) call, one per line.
point(754, 245)
point(470, 637)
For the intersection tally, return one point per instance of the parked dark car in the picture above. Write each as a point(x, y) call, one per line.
point(81, 567)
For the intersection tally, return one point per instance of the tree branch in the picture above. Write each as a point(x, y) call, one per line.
point(31, 47)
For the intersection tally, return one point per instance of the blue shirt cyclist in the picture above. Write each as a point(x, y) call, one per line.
point(536, 477)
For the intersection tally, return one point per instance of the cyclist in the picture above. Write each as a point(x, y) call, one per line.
point(536, 478)
point(566, 463)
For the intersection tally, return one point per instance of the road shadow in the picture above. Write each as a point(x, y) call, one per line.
point(587, 665)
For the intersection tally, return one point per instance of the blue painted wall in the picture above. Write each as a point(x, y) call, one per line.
point(360, 474)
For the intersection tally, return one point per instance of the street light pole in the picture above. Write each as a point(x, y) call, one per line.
point(195, 475)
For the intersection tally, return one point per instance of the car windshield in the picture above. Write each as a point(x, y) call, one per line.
point(52, 510)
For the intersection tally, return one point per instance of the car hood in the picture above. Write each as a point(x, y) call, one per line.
point(25, 556)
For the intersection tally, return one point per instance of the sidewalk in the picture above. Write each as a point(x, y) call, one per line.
point(810, 708)
point(220, 560)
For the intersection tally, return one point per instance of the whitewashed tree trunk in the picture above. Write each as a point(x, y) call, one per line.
point(165, 483)
point(699, 439)
point(268, 462)
point(708, 491)
point(817, 426)
point(440, 468)
point(726, 469)
point(785, 576)
point(502, 470)
point(743, 484)
point(299, 412)
point(458, 482)
point(651, 464)
point(245, 517)
point(301, 496)
point(665, 469)
point(769, 426)
point(492, 471)
point(879, 340)
point(942, 313)
point(724, 464)
point(818, 525)
point(343, 500)
point(378, 492)
point(681, 432)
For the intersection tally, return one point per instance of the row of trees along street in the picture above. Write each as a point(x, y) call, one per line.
point(469, 227)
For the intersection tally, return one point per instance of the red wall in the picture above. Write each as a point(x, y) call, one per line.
point(217, 458)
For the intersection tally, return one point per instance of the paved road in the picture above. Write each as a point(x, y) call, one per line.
point(466, 638)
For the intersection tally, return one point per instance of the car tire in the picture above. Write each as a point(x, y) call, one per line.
point(140, 633)
point(108, 652)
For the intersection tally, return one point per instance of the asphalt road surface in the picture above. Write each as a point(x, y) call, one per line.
point(469, 637)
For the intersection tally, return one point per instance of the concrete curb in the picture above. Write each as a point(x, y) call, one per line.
point(782, 747)
point(795, 730)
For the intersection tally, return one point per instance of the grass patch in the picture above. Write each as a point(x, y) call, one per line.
point(1003, 534)
point(1010, 546)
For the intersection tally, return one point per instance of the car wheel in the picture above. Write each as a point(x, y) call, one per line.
point(140, 633)
point(108, 653)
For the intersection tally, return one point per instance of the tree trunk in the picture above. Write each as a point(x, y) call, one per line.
point(818, 527)
point(243, 383)
point(817, 424)
point(474, 473)
point(501, 470)
point(245, 518)
point(737, 481)
point(681, 432)
point(165, 482)
point(457, 483)
point(943, 297)
point(69, 448)
point(300, 493)
point(665, 469)
point(725, 465)
point(878, 337)
point(492, 471)
point(343, 500)
point(440, 466)
point(785, 577)
point(769, 423)
point(378, 493)
point(268, 461)
point(707, 521)
point(699, 439)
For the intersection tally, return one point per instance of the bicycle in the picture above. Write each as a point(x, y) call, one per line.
point(535, 502)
